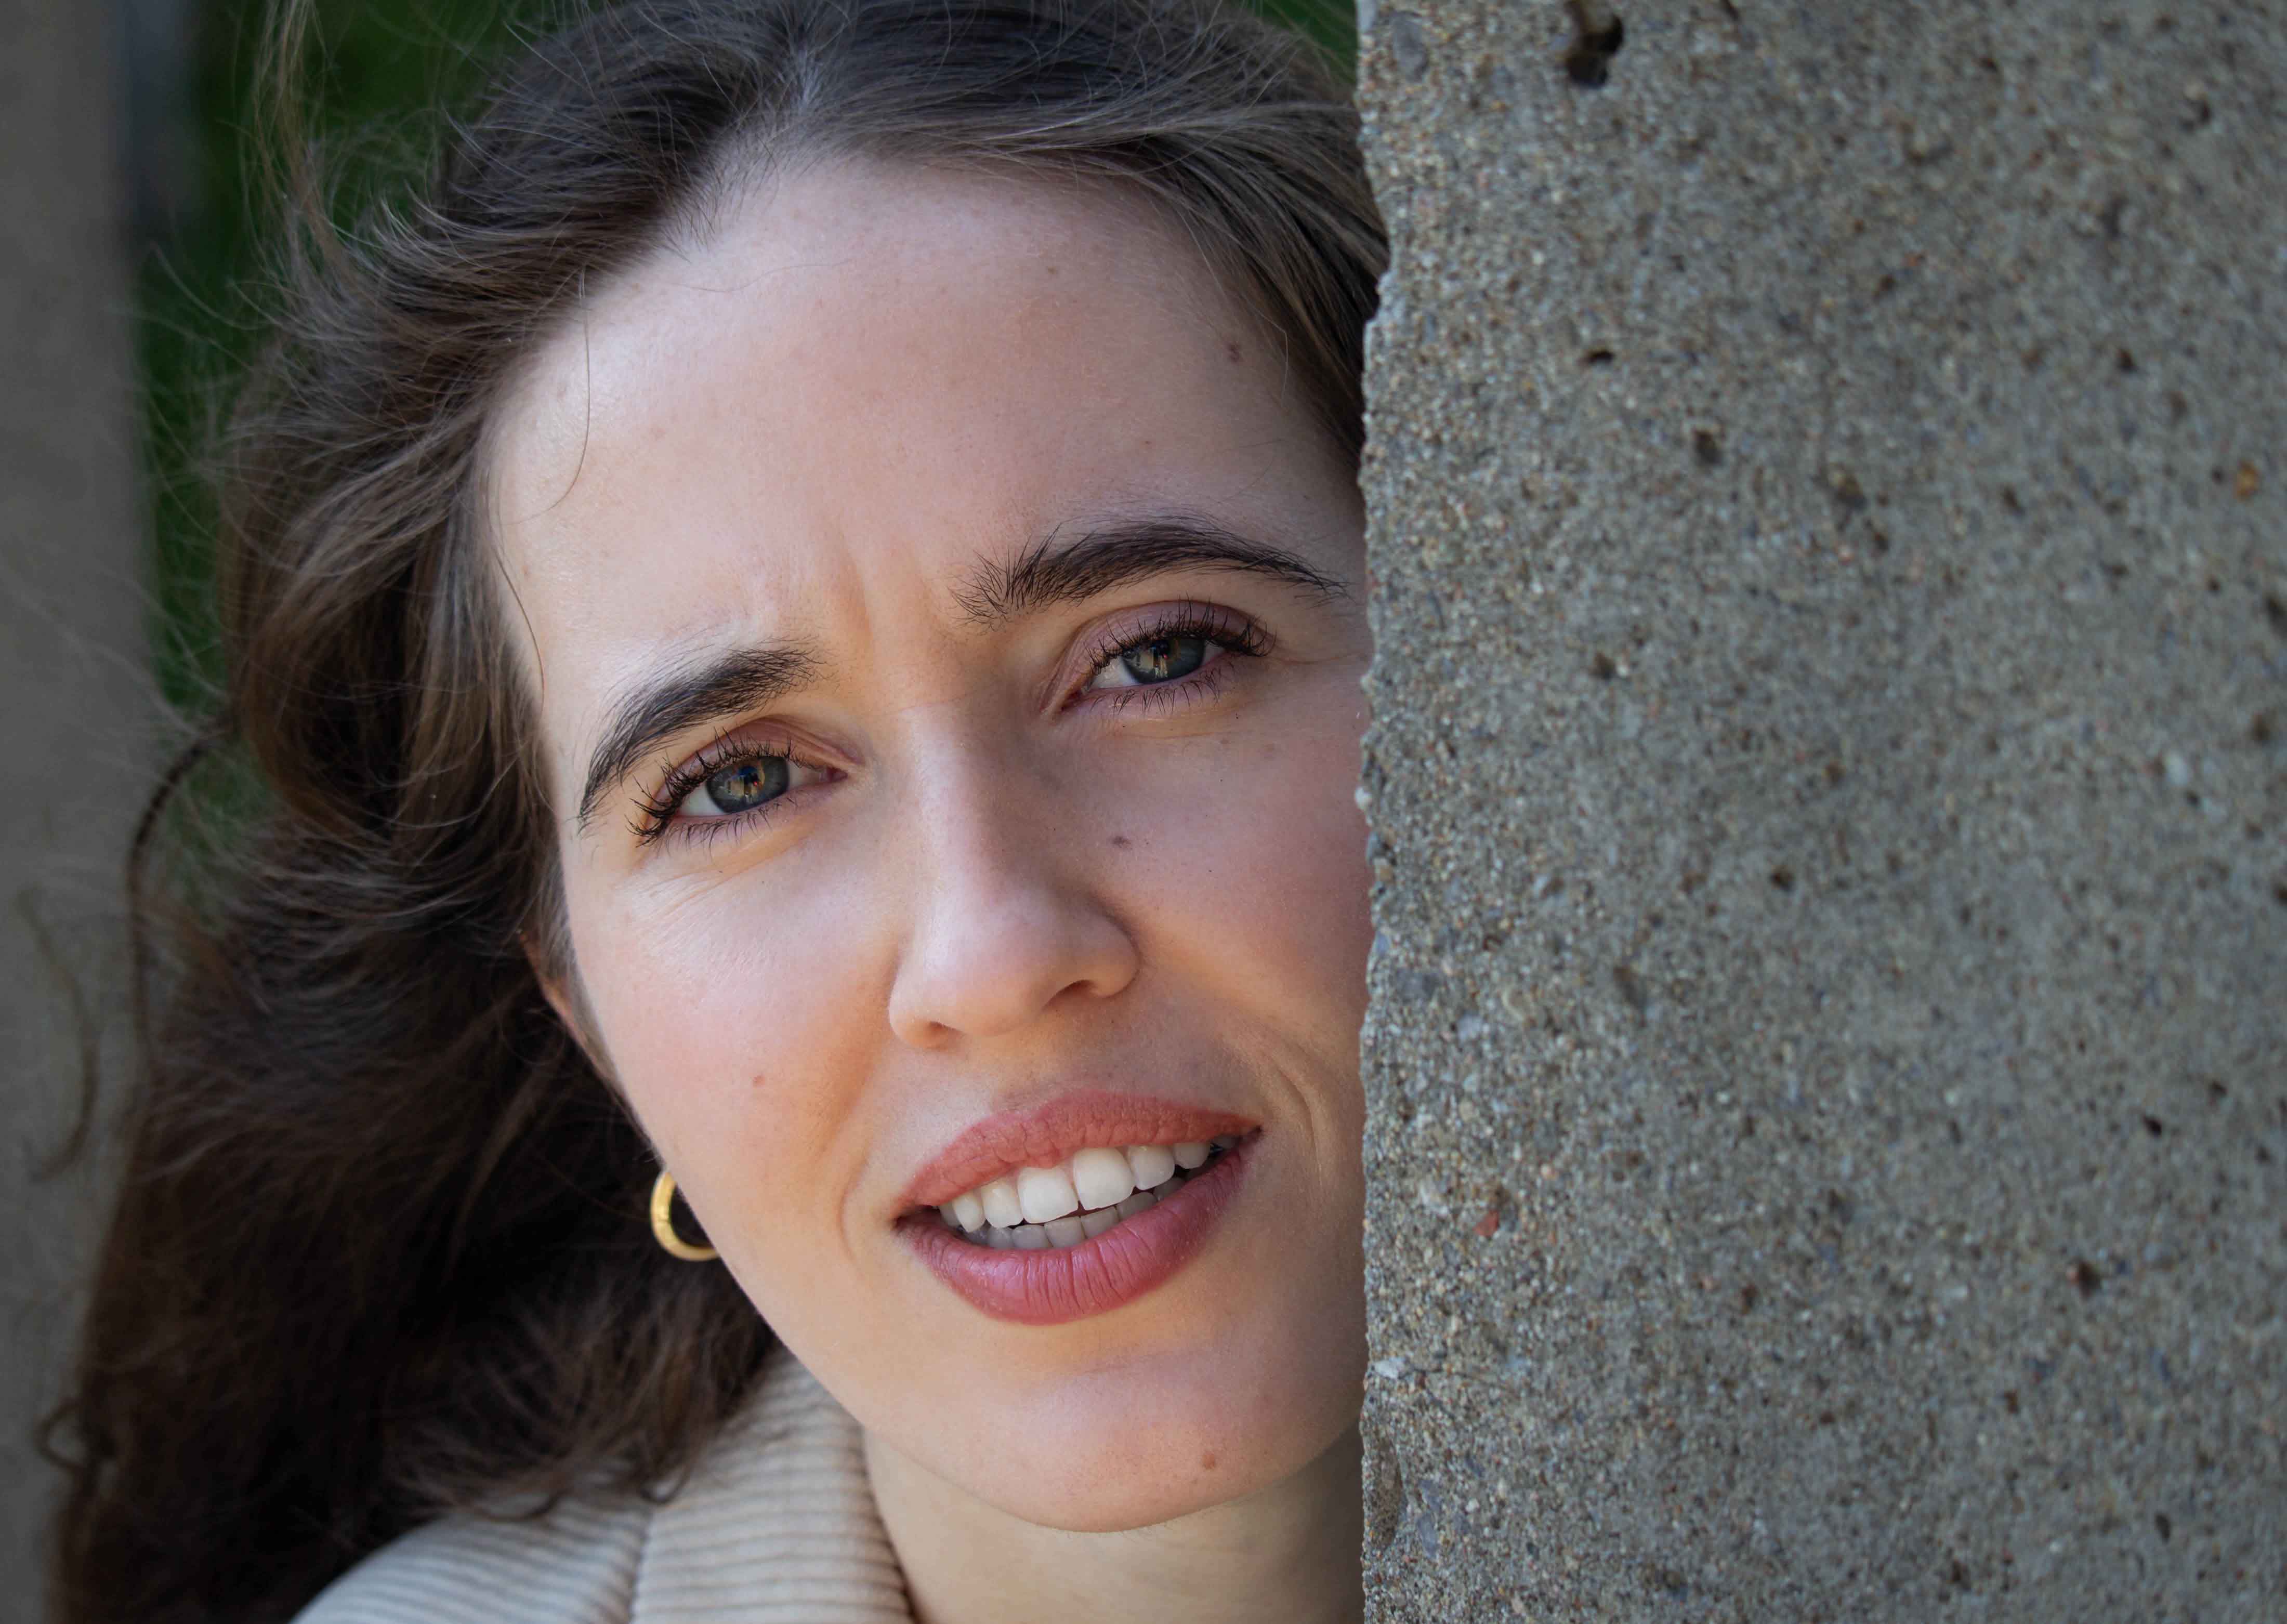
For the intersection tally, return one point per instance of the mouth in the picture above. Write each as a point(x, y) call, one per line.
point(1052, 1209)
point(1077, 1208)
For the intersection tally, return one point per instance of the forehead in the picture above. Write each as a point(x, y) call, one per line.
point(857, 382)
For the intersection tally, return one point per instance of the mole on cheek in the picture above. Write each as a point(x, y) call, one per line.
point(1119, 839)
point(1207, 1460)
point(1234, 351)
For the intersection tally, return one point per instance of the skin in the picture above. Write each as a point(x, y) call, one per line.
point(993, 880)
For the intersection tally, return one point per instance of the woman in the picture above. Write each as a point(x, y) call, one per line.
point(783, 1042)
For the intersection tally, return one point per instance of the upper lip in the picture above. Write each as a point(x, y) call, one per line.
point(1050, 1133)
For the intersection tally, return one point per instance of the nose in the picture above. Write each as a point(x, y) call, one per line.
point(1008, 921)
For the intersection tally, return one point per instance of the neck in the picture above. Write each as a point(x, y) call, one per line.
point(1288, 1554)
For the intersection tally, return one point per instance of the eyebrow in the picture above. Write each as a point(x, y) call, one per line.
point(1058, 569)
point(741, 680)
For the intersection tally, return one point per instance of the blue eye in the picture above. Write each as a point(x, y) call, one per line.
point(740, 786)
point(1163, 658)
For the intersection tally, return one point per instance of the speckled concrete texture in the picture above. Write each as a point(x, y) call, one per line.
point(1828, 1058)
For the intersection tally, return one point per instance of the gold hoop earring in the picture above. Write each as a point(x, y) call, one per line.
point(662, 1224)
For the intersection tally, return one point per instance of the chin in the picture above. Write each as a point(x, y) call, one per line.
point(1155, 1438)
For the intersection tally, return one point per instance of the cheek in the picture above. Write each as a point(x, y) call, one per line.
point(728, 1044)
point(1275, 872)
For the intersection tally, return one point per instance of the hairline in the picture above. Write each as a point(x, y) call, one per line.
point(750, 165)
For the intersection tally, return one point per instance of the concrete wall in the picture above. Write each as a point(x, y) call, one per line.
point(73, 694)
point(1828, 1064)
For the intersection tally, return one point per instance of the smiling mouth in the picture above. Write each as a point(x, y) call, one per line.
point(1089, 1193)
point(1078, 1205)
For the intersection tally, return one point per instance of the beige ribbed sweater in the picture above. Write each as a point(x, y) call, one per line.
point(776, 1525)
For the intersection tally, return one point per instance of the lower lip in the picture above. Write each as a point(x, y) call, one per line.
point(1053, 1288)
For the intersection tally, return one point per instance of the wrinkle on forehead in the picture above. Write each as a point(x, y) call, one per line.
point(633, 419)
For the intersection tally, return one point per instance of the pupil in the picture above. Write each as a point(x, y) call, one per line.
point(747, 784)
point(1163, 659)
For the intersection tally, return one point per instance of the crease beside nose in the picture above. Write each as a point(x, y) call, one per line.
point(999, 937)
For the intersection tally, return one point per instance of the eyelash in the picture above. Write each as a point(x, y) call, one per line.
point(1232, 633)
point(655, 812)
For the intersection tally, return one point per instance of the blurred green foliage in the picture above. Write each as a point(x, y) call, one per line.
point(380, 65)
point(379, 69)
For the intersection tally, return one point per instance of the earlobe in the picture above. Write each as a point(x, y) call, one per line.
point(558, 1001)
point(566, 997)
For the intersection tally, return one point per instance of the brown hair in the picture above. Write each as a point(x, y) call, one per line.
point(379, 1251)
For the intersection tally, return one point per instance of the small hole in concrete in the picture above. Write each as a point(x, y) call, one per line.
point(1783, 876)
point(1601, 667)
point(1588, 63)
point(1707, 448)
point(1597, 357)
point(2084, 1275)
point(2163, 1527)
point(2154, 1126)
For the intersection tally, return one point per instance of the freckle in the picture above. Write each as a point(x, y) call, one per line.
point(1234, 351)
point(1119, 839)
point(1207, 1460)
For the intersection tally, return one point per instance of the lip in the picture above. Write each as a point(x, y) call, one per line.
point(1054, 1287)
point(1050, 1133)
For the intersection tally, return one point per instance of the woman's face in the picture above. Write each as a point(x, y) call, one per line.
point(944, 611)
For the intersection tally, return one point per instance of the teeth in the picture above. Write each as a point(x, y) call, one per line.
point(1102, 1178)
point(1153, 1165)
point(1069, 1230)
point(1045, 1193)
point(1001, 1206)
point(1036, 1209)
point(1142, 1201)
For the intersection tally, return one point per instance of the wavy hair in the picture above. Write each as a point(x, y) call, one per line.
point(378, 1251)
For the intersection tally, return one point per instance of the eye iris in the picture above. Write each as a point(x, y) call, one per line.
point(1163, 659)
point(747, 784)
